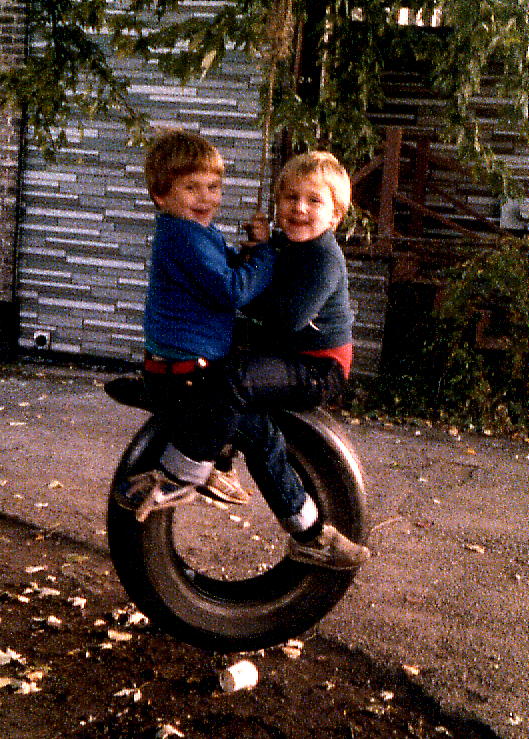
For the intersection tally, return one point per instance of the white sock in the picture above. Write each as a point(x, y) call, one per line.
point(184, 468)
point(306, 517)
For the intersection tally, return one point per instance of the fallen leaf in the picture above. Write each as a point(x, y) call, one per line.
point(34, 675)
point(134, 693)
point(9, 655)
point(7, 682)
point(474, 548)
point(48, 592)
point(77, 558)
point(137, 617)
point(293, 648)
point(118, 635)
point(165, 731)
point(54, 622)
point(25, 688)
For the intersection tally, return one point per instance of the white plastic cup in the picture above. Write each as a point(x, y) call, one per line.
point(241, 675)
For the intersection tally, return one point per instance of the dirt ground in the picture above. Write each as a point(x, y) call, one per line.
point(430, 642)
point(80, 662)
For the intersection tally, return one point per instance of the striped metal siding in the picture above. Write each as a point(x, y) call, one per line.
point(87, 218)
point(368, 290)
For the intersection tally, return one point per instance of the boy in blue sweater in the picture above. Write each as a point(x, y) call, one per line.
point(196, 283)
point(304, 357)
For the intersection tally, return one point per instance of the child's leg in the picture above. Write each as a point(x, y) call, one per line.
point(312, 540)
point(247, 384)
point(264, 449)
point(176, 399)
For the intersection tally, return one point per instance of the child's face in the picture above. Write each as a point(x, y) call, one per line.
point(195, 197)
point(305, 208)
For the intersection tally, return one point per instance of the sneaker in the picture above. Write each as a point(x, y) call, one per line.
point(329, 549)
point(153, 485)
point(225, 486)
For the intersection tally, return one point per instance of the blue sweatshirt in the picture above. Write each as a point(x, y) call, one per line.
point(194, 291)
point(306, 307)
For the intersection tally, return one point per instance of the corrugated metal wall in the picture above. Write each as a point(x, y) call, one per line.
point(87, 218)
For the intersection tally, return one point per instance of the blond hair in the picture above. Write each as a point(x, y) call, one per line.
point(325, 166)
point(176, 152)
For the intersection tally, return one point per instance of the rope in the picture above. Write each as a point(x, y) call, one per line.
point(279, 31)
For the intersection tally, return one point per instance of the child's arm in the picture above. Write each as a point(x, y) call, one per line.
point(200, 260)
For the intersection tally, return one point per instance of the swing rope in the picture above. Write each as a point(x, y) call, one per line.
point(279, 33)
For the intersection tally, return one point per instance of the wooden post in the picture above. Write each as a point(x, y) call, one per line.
point(390, 182)
point(419, 185)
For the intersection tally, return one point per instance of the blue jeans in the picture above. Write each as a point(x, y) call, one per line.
point(233, 400)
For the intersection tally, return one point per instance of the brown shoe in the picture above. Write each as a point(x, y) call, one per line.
point(149, 490)
point(225, 486)
point(329, 549)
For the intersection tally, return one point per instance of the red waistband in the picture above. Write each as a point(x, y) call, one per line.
point(160, 366)
point(342, 354)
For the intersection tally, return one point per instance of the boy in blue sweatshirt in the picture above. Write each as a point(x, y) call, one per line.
point(196, 282)
point(302, 360)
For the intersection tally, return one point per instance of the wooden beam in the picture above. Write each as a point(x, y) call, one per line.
point(367, 169)
point(419, 184)
point(390, 182)
point(466, 209)
point(437, 216)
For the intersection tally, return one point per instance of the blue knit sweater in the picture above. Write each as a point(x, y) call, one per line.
point(306, 307)
point(195, 288)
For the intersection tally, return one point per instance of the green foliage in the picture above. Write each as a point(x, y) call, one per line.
point(66, 73)
point(456, 379)
point(348, 49)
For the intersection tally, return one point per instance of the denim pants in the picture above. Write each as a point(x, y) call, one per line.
point(232, 402)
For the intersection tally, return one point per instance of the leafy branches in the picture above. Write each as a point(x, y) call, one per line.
point(325, 94)
point(485, 53)
point(470, 365)
point(484, 329)
point(66, 72)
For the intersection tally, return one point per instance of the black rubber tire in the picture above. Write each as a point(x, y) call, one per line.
point(255, 612)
